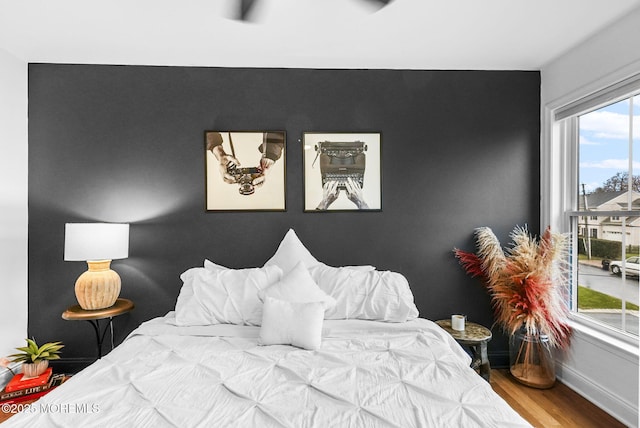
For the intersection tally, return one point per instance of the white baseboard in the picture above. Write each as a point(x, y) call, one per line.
point(625, 412)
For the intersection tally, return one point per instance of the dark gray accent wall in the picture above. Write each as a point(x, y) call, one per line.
point(460, 149)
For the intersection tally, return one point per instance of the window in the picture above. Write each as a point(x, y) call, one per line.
point(599, 141)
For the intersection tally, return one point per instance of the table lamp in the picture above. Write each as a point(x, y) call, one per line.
point(97, 244)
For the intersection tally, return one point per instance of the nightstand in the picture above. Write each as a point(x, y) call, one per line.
point(475, 337)
point(76, 313)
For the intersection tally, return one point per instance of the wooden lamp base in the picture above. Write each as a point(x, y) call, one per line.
point(98, 287)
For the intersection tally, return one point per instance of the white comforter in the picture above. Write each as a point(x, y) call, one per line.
point(367, 374)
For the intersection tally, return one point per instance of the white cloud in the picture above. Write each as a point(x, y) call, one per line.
point(591, 187)
point(586, 142)
point(618, 164)
point(607, 124)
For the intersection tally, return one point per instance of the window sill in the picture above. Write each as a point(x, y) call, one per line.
point(604, 335)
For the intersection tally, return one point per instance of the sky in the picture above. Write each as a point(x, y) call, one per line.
point(604, 143)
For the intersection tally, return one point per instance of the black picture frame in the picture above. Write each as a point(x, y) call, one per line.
point(245, 170)
point(342, 171)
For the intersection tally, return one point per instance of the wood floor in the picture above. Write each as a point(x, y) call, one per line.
point(558, 406)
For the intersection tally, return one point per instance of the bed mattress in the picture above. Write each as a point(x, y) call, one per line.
point(366, 374)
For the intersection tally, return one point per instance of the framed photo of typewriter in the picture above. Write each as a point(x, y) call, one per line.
point(245, 171)
point(342, 171)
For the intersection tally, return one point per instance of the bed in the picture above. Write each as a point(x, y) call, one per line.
point(295, 343)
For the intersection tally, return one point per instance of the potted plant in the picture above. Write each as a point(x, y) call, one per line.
point(528, 285)
point(35, 359)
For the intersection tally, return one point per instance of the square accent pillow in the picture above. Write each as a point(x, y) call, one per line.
point(292, 323)
point(290, 252)
point(227, 296)
point(298, 286)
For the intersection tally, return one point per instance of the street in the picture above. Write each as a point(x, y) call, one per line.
point(605, 282)
point(595, 278)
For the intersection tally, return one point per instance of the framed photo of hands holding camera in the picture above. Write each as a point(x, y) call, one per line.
point(342, 172)
point(245, 171)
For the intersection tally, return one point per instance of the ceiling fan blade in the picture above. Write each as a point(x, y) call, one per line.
point(380, 3)
point(245, 8)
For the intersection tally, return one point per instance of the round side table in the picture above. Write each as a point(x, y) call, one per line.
point(475, 337)
point(76, 313)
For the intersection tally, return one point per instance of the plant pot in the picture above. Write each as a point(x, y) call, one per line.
point(34, 369)
point(531, 360)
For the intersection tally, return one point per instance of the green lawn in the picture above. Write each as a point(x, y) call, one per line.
point(591, 299)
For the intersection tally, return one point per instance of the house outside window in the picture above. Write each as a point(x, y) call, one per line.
point(599, 140)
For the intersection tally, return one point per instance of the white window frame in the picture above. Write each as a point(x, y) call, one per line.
point(559, 166)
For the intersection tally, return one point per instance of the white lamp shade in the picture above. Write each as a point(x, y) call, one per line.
point(96, 241)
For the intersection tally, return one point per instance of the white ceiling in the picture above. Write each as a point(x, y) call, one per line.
point(411, 34)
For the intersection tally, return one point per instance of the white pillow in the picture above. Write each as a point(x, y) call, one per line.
point(298, 286)
point(290, 252)
point(370, 295)
point(189, 273)
point(292, 323)
point(186, 297)
point(365, 268)
point(223, 296)
point(208, 264)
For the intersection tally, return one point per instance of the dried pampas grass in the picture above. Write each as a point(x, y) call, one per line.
point(527, 281)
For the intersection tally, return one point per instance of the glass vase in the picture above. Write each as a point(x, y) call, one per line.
point(531, 359)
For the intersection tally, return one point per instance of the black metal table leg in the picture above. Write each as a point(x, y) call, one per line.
point(100, 335)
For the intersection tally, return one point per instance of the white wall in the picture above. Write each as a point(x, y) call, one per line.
point(595, 367)
point(13, 202)
point(607, 57)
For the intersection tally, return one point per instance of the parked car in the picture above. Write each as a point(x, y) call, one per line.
point(632, 264)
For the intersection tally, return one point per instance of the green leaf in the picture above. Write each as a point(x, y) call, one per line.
point(32, 345)
point(33, 353)
point(18, 358)
point(51, 347)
